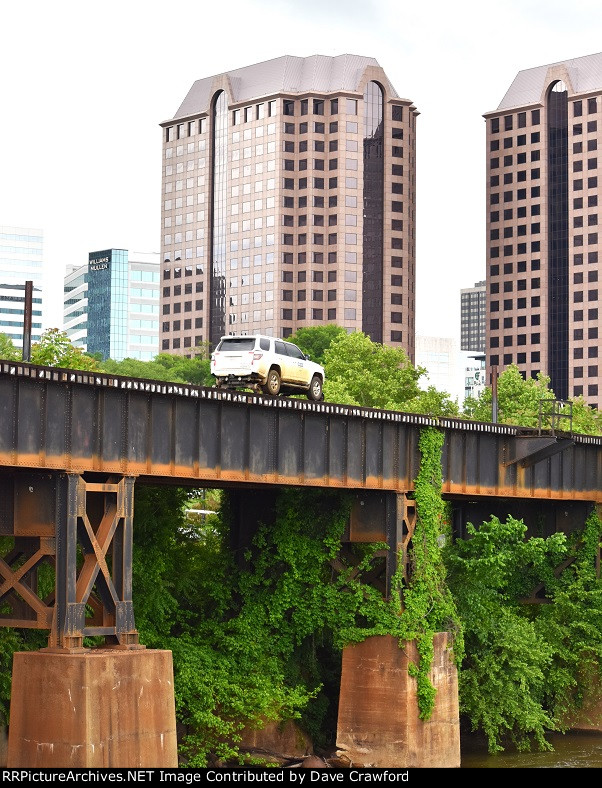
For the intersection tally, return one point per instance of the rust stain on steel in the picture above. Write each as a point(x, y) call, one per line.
point(367, 521)
point(85, 422)
point(373, 482)
point(34, 506)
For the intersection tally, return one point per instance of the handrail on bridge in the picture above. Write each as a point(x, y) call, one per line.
point(552, 412)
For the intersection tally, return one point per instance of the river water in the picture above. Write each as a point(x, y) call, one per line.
point(574, 750)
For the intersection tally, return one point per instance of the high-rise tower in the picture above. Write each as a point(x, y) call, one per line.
point(543, 189)
point(288, 200)
point(473, 302)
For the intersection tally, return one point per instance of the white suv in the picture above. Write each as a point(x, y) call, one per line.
point(267, 365)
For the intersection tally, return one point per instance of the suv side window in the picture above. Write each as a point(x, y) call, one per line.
point(280, 348)
point(294, 351)
point(264, 344)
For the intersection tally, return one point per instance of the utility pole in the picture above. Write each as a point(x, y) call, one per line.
point(27, 321)
point(494, 394)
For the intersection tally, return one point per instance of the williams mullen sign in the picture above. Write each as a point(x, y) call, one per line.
point(99, 264)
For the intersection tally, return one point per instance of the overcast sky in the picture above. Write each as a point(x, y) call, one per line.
point(85, 85)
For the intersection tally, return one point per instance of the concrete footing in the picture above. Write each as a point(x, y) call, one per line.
point(102, 708)
point(378, 722)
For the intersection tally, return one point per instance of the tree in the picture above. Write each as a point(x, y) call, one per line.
point(176, 369)
point(366, 373)
point(518, 399)
point(519, 403)
point(8, 350)
point(314, 341)
point(586, 420)
point(195, 370)
point(135, 368)
point(55, 350)
point(432, 402)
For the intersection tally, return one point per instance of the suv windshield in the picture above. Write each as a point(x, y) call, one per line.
point(236, 344)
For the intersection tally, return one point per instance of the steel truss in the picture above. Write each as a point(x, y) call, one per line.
point(82, 529)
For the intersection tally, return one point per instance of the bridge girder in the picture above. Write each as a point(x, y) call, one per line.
point(82, 423)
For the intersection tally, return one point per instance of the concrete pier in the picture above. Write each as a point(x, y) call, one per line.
point(378, 722)
point(100, 708)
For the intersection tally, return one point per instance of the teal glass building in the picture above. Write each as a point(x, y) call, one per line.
point(112, 305)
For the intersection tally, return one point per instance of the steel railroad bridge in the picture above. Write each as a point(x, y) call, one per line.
point(73, 444)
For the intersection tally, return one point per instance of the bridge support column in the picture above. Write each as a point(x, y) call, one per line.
point(378, 722)
point(104, 708)
point(74, 706)
point(378, 719)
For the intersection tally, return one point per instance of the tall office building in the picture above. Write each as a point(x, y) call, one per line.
point(21, 260)
point(75, 305)
point(111, 305)
point(543, 191)
point(473, 303)
point(288, 201)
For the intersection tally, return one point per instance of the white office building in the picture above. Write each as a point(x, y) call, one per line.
point(21, 260)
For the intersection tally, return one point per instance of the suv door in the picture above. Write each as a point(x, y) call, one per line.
point(299, 369)
point(287, 373)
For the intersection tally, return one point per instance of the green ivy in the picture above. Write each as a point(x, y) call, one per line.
point(428, 604)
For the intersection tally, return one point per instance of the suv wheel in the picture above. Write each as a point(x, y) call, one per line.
point(272, 384)
point(315, 389)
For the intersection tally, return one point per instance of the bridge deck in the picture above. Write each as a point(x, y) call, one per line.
point(64, 420)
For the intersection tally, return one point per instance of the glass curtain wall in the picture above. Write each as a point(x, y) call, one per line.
point(119, 304)
point(372, 296)
point(217, 296)
point(558, 239)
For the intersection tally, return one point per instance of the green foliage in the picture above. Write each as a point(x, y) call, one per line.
point(172, 368)
point(55, 350)
point(526, 666)
point(572, 624)
point(12, 640)
point(362, 372)
point(431, 402)
point(366, 373)
point(262, 640)
point(7, 349)
point(518, 403)
point(429, 606)
point(315, 340)
point(135, 368)
point(230, 632)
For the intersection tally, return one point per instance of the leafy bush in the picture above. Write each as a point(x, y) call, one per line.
point(525, 666)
